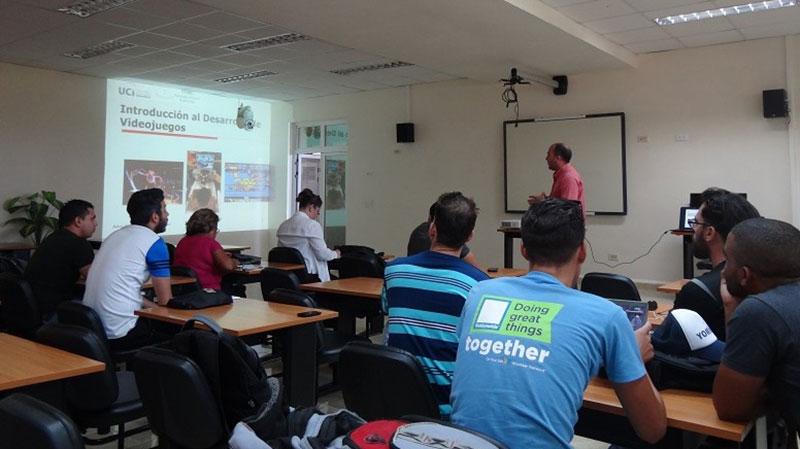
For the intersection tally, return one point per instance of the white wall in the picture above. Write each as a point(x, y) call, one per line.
point(711, 94)
point(52, 137)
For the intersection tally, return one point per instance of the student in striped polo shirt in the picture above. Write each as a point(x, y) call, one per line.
point(424, 294)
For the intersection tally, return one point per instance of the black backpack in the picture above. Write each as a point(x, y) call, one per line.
point(231, 367)
point(685, 373)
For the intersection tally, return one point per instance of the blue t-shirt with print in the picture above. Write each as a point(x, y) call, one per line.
point(527, 349)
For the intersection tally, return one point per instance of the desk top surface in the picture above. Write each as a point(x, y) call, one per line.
point(16, 246)
point(23, 362)
point(235, 248)
point(672, 287)
point(173, 280)
point(256, 270)
point(243, 317)
point(686, 410)
point(363, 287)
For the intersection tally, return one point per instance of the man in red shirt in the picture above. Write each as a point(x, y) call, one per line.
point(567, 182)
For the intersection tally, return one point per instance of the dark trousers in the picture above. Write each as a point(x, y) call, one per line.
point(141, 335)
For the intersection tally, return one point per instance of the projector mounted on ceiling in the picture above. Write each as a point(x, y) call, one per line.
point(244, 118)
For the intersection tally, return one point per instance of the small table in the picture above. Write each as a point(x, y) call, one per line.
point(349, 297)
point(24, 363)
point(673, 287)
point(509, 234)
point(251, 317)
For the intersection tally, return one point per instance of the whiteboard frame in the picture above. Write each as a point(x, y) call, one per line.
point(621, 116)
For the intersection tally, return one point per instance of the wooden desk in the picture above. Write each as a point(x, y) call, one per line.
point(509, 234)
point(686, 410)
point(363, 287)
point(673, 287)
point(23, 363)
point(250, 317)
point(15, 246)
point(235, 248)
point(350, 297)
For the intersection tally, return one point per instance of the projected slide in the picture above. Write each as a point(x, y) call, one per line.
point(204, 149)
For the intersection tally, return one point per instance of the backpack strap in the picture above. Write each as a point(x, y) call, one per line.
point(213, 325)
point(707, 290)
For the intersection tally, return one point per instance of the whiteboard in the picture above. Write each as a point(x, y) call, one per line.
point(598, 153)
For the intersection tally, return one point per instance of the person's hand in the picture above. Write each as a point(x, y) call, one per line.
point(533, 199)
point(729, 302)
point(338, 253)
point(643, 340)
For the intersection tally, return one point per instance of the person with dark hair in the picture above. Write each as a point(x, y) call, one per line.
point(567, 182)
point(303, 232)
point(719, 213)
point(63, 257)
point(127, 258)
point(762, 354)
point(200, 250)
point(529, 345)
point(420, 241)
point(423, 294)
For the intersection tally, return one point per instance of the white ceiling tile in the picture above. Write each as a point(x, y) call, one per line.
point(314, 46)
point(779, 29)
point(225, 39)
point(23, 21)
point(131, 18)
point(700, 27)
point(653, 46)
point(202, 50)
point(264, 31)
point(642, 35)
point(47, 4)
point(701, 6)
point(226, 23)
point(174, 9)
point(562, 3)
point(726, 3)
point(275, 53)
point(597, 9)
point(621, 23)
point(155, 40)
point(753, 19)
point(722, 37)
point(138, 50)
point(213, 66)
point(654, 5)
point(186, 31)
point(242, 59)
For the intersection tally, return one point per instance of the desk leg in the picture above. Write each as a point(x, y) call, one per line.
point(508, 251)
point(300, 365)
point(761, 432)
point(688, 257)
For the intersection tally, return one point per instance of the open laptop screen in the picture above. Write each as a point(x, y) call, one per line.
point(687, 213)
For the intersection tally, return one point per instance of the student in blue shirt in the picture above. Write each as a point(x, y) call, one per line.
point(528, 346)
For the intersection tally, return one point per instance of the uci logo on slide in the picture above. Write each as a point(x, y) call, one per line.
point(127, 91)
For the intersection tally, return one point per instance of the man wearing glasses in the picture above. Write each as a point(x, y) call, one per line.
point(718, 214)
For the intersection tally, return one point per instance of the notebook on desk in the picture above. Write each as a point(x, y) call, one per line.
point(687, 213)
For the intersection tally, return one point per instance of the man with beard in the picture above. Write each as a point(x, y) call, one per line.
point(717, 216)
point(762, 354)
point(127, 258)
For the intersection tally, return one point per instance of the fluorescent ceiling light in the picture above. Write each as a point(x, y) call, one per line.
point(246, 76)
point(98, 50)
point(372, 67)
point(272, 41)
point(722, 12)
point(87, 8)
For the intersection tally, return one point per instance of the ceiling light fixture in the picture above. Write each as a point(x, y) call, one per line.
point(372, 67)
point(98, 50)
point(87, 8)
point(272, 41)
point(722, 12)
point(243, 77)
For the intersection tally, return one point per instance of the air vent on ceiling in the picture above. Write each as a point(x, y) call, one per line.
point(372, 67)
point(87, 8)
point(265, 42)
point(246, 76)
point(98, 50)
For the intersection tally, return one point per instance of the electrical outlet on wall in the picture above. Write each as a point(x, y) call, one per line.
point(613, 257)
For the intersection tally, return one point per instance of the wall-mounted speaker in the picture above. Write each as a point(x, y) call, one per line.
point(405, 132)
point(775, 103)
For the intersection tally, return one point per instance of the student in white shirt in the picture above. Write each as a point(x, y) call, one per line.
point(302, 232)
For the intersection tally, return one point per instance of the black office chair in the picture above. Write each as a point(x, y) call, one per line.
point(285, 254)
point(99, 400)
point(12, 265)
point(28, 423)
point(76, 314)
point(18, 309)
point(177, 290)
point(609, 285)
point(171, 251)
point(272, 278)
point(360, 264)
point(181, 408)
point(384, 382)
point(329, 342)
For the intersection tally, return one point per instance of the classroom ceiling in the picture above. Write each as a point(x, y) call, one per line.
point(183, 41)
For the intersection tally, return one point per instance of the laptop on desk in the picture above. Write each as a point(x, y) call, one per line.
point(687, 213)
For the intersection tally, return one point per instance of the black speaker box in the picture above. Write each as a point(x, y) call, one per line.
point(775, 103)
point(405, 132)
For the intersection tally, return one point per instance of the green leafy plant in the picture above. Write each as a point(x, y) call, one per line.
point(36, 222)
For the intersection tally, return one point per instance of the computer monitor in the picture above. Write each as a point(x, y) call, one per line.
point(687, 213)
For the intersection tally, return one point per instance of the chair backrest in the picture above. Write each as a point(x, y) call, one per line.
point(384, 382)
point(77, 314)
point(171, 252)
point(18, 309)
point(272, 278)
point(12, 265)
point(28, 423)
point(90, 392)
point(286, 255)
point(181, 408)
point(297, 298)
point(609, 285)
point(178, 270)
point(360, 264)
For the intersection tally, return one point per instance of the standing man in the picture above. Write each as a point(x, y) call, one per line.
point(127, 258)
point(717, 216)
point(63, 257)
point(529, 345)
point(761, 363)
point(567, 182)
point(424, 293)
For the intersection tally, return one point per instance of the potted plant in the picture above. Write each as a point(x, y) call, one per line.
point(36, 222)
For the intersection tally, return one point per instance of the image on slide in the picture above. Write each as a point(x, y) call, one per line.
point(246, 182)
point(165, 175)
point(203, 178)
